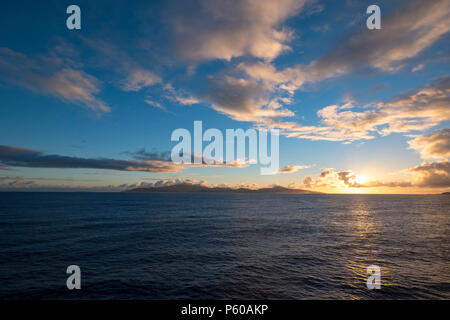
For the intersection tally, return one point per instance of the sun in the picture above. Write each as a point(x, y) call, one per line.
point(361, 179)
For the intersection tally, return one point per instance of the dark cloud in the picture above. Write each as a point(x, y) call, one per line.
point(5, 178)
point(307, 182)
point(142, 161)
point(325, 173)
point(349, 179)
point(196, 159)
point(20, 182)
point(142, 154)
point(21, 157)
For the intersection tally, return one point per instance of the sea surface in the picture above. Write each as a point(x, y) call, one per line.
point(224, 246)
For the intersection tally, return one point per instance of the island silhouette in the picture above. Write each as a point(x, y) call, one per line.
point(189, 188)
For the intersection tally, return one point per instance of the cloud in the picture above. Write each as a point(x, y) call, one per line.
point(389, 184)
point(155, 104)
point(19, 182)
point(291, 169)
point(169, 182)
point(218, 29)
point(404, 34)
point(186, 101)
point(421, 109)
point(332, 178)
point(244, 99)
point(64, 83)
point(21, 157)
point(262, 98)
point(435, 145)
point(418, 67)
point(348, 178)
point(5, 178)
point(258, 92)
point(35, 187)
point(197, 160)
point(321, 28)
point(378, 88)
point(134, 75)
point(179, 97)
point(255, 91)
point(308, 181)
point(288, 79)
point(138, 79)
point(432, 174)
point(427, 175)
point(143, 154)
point(142, 161)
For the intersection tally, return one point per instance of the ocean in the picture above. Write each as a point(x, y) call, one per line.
point(224, 246)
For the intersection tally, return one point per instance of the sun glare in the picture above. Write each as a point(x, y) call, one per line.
point(361, 179)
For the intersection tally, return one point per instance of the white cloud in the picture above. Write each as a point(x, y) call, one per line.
point(432, 174)
point(219, 29)
point(418, 67)
point(258, 92)
point(155, 104)
point(292, 169)
point(435, 145)
point(138, 79)
point(70, 85)
point(424, 108)
point(427, 175)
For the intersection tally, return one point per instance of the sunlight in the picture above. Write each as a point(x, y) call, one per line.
point(361, 179)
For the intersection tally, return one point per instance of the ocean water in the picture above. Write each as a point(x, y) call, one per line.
point(224, 246)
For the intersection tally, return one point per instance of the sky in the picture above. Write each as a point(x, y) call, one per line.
point(359, 110)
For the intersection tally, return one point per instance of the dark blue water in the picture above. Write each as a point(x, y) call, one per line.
point(223, 246)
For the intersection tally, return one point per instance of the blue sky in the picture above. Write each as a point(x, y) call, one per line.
point(365, 110)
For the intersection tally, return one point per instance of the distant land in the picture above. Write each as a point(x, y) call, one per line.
point(188, 188)
point(447, 193)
